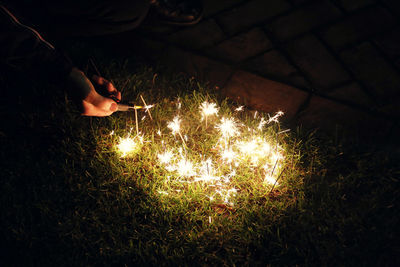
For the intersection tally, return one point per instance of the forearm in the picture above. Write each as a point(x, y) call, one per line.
point(22, 48)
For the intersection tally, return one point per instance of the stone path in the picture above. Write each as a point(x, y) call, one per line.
point(325, 63)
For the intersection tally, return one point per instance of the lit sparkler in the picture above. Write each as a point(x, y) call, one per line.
point(166, 157)
point(175, 126)
point(208, 109)
point(276, 117)
point(239, 147)
point(185, 168)
point(147, 107)
point(228, 127)
point(127, 145)
point(239, 108)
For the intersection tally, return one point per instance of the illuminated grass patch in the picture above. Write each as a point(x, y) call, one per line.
point(197, 150)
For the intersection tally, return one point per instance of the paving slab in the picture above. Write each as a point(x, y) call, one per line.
point(382, 80)
point(357, 26)
point(336, 62)
point(264, 94)
point(274, 65)
point(241, 46)
point(329, 116)
point(393, 5)
point(317, 62)
point(389, 42)
point(203, 68)
point(354, 95)
point(206, 33)
point(251, 13)
point(211, 7)
point(303, 19)
point(354, 4)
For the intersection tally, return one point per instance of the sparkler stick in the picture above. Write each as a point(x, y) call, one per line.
point(146, 107)
point(276, 181)
point(176, 127)
point(273, 169)
point(136, 120)
point(208, 109)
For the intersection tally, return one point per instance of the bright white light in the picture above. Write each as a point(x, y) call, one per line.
point(261, 124)
point(270, 180)
point(207, 172)
point(208, 109)
point(175, 125)
point(126, 146)
point(228, 155)
point(239, 108)
point(228, 127)
point(165, 157)
point(185, 168)
point(276, 117)
point(248, 147)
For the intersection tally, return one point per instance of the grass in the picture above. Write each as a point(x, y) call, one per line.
point(68, 198)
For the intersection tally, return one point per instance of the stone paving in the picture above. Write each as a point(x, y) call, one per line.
point(326, 63)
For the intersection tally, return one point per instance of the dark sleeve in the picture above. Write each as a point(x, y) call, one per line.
point(23, 49)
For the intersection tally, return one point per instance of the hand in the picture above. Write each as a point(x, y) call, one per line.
point(107, 88)
point(91, 102)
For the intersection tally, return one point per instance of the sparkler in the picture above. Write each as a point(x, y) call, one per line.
point(239, 108)
point(175, 126)
point(239, 150)
point(147, 107)
point(126, 146)
point(275, 118)
point(208, 109)
point(228, 127)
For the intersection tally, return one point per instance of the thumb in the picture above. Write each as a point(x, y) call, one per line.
point(113, 107)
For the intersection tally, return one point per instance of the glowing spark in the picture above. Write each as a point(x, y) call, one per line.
point(175, 125)
point(270, 180)
point(165, 157)
point(239, 150)
point(126, 146)
point(228, 155)
point(276, 117)
point(185, 168)
point(207, 172)
point(162, 192)
point(239, 108)
point(228, 127)
point(276, 156)
point(261, 124)
point(265, 148)
point(208, 109)
point(147, 107)
point(248, 147)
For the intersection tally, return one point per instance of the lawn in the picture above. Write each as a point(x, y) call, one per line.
point(69, 196)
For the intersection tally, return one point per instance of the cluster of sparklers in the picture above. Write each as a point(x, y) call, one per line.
point(236, 150)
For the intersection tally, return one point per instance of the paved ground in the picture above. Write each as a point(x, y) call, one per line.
point(326, 63)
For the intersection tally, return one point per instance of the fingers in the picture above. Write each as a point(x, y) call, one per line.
point(108, 86)
point(113, 91)
point(99, 106)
